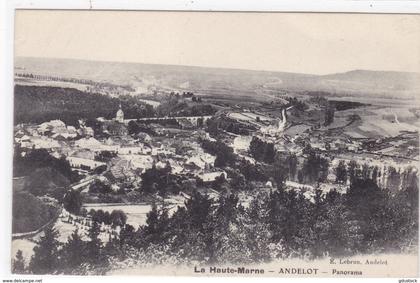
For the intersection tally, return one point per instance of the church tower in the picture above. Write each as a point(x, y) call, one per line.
point(120, 115)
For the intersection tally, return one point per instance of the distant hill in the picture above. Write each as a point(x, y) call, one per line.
point(225, 82)
point(380, 79)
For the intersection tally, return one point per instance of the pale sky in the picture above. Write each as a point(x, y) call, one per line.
point(291, 42)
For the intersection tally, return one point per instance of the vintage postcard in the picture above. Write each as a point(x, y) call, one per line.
point(216, 144)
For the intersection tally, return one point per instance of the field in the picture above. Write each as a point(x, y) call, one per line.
point(379, 121)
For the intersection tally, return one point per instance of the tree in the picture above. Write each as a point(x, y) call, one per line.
point(269, 153)
point(394, 178)
point(159, 180)
point(257, 230)
point(213, 127)
point(224, 154)
point(279, 172)
point(100, 187)
point(94, 246)
point(253, 172)
point(287, 217)
point(315, 168)
point(365, 171)
point(167, 169)
point(218, 182)
point(18, 265)
point(198, 209)
point(367, 204)
point(375, 173)
point(118, 218)
point(262, 151)
point(45, 259)
point(150, 179)
point(220, 161)
point(194, 226)
point(341, 172)
point(339, 232)
point(238, 182)
point(112, 248)
point(74, 251)
point(353, 171)
point(200, 122)
point(133, 128)
point(329, 114)
point(98, 216)
point(291, 162)
point(156, 224)
point(227, 242)
point(105, 155)
point(73, 201)
point(256, 148)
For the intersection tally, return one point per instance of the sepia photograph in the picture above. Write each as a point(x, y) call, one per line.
point(215, 144)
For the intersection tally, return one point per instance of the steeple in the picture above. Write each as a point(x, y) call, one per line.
point(120, 115)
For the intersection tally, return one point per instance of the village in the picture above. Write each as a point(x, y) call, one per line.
point(112, 158)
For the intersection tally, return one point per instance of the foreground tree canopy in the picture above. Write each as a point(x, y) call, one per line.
point(282, 224)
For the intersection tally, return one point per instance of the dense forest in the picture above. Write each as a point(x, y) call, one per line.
point(38, 104)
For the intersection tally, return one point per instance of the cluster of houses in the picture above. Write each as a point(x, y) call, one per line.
point(120, 154)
